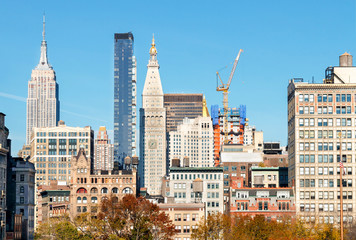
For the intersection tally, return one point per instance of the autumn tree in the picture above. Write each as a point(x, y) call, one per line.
point(219, 226)
point(136, 218)
point(215, 226)
point(59, 229)
point(129, 218)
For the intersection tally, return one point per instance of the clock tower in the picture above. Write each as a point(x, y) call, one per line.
point(152, 129)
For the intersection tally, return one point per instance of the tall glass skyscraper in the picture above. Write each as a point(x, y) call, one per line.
point(124, 97)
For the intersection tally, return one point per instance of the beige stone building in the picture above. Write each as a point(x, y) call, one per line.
point(52, 149)
point(317, 114)
point(87, 190)
point(185, 216)
point(194, 139)
point(153, 153)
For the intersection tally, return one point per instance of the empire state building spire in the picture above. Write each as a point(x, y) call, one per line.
point(43, 64)
point(42, 100)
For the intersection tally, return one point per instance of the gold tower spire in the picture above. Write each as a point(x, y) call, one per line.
point(153, 50)
point(205, 108)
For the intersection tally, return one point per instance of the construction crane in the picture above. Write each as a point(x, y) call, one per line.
point(225, 89)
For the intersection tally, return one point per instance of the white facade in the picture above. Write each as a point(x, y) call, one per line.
point(53, 148)
point(194, 139)
point(318, 113)
point(253, 137)
point(248, 135)
point(181, 186)
point(42, 101)
point(152, 129)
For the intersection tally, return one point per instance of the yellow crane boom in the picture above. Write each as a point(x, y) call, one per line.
point(225, 89)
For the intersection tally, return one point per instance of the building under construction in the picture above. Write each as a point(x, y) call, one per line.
point(237, 120)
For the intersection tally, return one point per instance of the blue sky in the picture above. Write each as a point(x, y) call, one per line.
point(280, 39)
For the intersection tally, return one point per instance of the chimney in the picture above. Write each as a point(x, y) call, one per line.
point(345, 60)
point(175, 162)
point(186, 161)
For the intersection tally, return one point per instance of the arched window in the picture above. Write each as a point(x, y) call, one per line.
point(85, 200)
point(115, 200)
point(22, 189)
point(104, 190)
point(82, 190)
point(79, 200)
point(94, 200)
point(94, 190)
point(115, 190)
point(127, 190)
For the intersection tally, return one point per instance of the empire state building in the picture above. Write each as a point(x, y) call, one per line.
point(42, 101)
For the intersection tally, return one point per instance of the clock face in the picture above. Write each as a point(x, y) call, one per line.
point(152, 144)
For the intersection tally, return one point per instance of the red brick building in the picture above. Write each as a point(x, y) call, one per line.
point(274, 203)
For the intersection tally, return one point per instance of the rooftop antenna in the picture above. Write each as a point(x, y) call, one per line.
point(44, 26)
point(312, 79)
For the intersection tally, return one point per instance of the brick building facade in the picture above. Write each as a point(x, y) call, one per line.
point(87, 190)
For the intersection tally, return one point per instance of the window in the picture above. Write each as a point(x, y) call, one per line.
point(22, 200)
point(320, 109)
point(127, 190)
point(81, 190)
point(22, 177)
point(348, 109)
point(301, 110)
point(306, 98)
point(94, 200)
point(320, 122)
point(301, 98)
point(311, 121)
point(330, 110)
point(301, 183)
point(22, 189)
point(301, 123)
point(330, 97)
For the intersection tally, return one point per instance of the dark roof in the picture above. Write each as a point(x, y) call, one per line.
point(124, 36)
point(196, 169)
point(55, 193)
